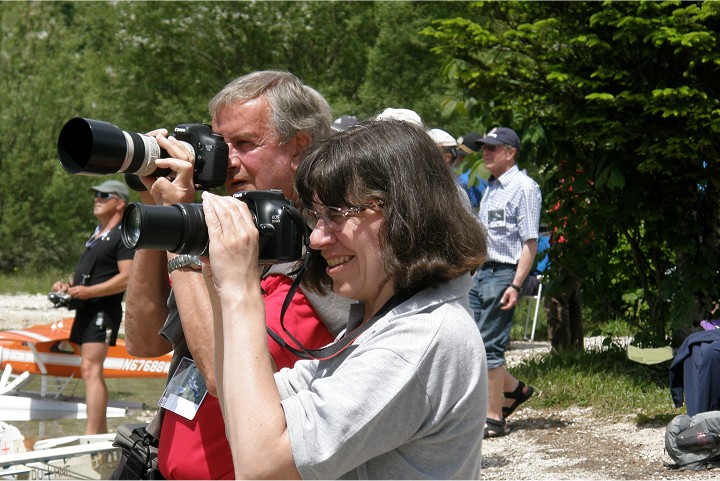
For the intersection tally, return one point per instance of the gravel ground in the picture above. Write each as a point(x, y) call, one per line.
point(23, 310)
point(543, 444)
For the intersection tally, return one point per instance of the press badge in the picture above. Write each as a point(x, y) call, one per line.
point(185, 391)
point(496, 218)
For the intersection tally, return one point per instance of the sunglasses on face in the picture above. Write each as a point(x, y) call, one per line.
point(104, 195)
point(334, 217)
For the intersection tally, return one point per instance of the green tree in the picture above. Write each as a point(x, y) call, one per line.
point(617, 99)
point(38, 90)
point(401, 70)
point(144, 65)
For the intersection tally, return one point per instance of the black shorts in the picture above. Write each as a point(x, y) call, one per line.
point(96, 323)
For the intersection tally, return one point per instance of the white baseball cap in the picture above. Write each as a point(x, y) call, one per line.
point(442, 138)
point(406, 115)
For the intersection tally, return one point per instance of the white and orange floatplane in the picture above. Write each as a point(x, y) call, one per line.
point(45, 350)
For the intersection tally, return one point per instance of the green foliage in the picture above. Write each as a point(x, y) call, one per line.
point(620, 103)
point(37, 94)
point(22, 282)
point(615, 102)
point(146, 65)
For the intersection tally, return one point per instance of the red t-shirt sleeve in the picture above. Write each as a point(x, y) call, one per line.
point(301, 320)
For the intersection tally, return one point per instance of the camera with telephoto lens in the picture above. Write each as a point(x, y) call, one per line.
point(94, 147)
point(181, 229)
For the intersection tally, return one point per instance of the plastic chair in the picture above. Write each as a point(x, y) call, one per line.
point(529, 298)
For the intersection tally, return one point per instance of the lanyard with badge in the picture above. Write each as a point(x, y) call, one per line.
point(185, 391)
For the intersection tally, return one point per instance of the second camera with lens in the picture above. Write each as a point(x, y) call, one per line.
point(181, 229)
point(93, 147)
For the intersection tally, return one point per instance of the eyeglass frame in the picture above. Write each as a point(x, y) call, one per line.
point(351, 211)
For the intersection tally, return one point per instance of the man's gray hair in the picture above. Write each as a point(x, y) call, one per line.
point(294, 106)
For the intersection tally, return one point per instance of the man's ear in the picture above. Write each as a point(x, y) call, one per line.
point(301, 141)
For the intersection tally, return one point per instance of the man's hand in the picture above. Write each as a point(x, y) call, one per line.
point(179, 188)
point(60, 286)
point(509, 299)
point(80, 292)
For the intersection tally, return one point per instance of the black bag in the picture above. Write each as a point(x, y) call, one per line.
point(139, 453)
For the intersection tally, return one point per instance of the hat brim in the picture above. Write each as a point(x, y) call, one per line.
point(466, 150)
point(488, 140)
point(100, 188)
point(108, 190)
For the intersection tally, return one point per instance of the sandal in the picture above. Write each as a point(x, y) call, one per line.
point(495, 428)
point(519, 395)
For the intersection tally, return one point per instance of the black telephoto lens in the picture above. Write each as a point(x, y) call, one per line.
point(94, 147)
point(179, 228)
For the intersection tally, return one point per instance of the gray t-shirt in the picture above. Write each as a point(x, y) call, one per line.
point(406, 401)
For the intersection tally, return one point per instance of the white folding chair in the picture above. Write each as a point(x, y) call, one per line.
point(529, 298)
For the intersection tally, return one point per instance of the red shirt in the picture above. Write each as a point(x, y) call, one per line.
point(198, 448)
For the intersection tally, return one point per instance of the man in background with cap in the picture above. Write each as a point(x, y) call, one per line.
point(466, 145)
point(99, 282)
point(448, 146)
point(510, 212)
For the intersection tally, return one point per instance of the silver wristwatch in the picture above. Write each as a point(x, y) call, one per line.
point(184, 260)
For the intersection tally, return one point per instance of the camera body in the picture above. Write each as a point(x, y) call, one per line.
point(93, 147)
point(63, 299)
point(181, 229)
point(210, 150)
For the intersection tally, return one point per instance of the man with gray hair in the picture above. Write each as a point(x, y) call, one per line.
point(267, 118)
point(510, 213)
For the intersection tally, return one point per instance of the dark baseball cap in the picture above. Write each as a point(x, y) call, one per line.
point(500, 135)
point(468, 142)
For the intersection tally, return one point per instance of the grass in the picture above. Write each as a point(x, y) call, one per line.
point(30, 282)
point(602, 379)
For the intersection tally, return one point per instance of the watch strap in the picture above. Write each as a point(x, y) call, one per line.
point(184, 260)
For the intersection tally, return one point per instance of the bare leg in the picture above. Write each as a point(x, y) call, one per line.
point(96, 394)
point(496, 383)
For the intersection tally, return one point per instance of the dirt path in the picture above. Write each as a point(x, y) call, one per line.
point(574, 444)
point(543, 444)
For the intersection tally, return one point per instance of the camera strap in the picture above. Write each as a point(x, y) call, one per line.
point(331, 350)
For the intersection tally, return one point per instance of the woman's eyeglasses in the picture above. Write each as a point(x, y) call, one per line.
point(104, 195)
point(334, 217)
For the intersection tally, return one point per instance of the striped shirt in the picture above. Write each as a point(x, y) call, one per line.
point(510, 213)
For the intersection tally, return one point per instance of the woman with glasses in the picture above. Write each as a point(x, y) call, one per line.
point(402, 392)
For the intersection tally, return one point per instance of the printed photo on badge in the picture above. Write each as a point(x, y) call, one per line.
point(496, 218)
point(185, 391)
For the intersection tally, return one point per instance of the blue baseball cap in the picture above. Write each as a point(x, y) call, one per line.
point(500, 135)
